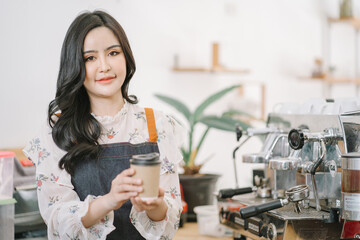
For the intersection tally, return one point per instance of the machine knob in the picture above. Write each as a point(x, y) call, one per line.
point(271, 232)
point(239, 133)
point(296, 139)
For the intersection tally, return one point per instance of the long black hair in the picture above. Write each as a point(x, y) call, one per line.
point(74, 129)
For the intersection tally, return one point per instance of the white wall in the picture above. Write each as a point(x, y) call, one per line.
point(276, 39)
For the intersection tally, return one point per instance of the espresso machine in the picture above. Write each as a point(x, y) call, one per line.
point(312, 180)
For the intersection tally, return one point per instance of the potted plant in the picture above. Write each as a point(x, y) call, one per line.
point(201, 192)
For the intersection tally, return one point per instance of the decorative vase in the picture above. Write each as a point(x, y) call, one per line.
point(346, 9)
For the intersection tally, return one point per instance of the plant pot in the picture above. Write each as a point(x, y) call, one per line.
point(198, 190)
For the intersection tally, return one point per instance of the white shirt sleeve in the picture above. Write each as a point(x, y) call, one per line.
point(170, 156)
point(59, 204)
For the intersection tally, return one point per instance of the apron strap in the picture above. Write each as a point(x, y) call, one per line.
point(150, 119)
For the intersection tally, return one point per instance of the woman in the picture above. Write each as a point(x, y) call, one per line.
point(85, 184)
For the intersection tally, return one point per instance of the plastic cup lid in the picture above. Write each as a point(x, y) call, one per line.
point(145, 159)
point(7, 154)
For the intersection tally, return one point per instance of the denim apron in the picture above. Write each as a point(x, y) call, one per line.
point(94, 176)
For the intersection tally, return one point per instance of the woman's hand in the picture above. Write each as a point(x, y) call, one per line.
point(123, 187)
point(155, 209)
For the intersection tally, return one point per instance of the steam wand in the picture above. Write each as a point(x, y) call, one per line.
point(239, 133)
point(313, 170)
point(250, 132)
point(234, 154)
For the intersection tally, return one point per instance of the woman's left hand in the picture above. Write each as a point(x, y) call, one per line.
point(155, 209)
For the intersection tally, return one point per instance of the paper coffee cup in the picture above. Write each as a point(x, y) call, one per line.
point(147, 168)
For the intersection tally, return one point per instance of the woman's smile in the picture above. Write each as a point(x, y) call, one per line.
point(106, 80)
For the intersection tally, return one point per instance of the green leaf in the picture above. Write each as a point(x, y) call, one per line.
point(202, 139)
point(186, 155)
point(181, 107)
point(223, 123)
point(214, 97)
point(232, 113)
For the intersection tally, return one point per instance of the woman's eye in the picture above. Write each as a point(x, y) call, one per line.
point(114, 53)
point(90, 58)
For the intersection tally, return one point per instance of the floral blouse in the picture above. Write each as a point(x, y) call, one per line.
point(60, 205)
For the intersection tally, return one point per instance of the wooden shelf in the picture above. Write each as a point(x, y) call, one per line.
point(333, 79)
point(330, 81)
point(216, 66)
point(355, 22)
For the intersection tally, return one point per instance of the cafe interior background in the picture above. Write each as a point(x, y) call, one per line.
point(273, 48)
